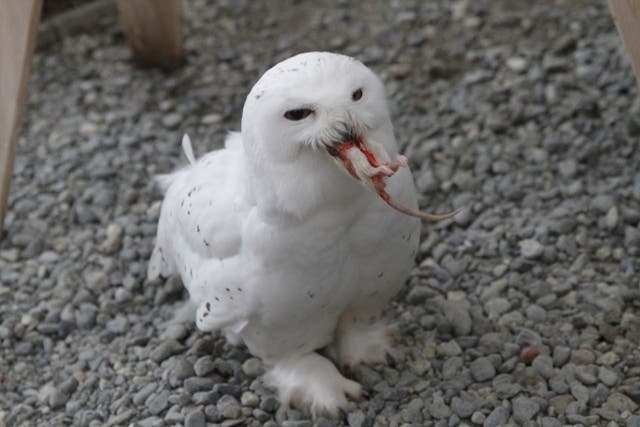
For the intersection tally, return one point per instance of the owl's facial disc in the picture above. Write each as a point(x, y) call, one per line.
point(367, 161)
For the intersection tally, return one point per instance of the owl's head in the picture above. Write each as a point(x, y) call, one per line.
point(313, 101)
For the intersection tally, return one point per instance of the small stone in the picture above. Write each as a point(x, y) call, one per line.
point(609, 358)
point(252, 367)
point(399, 71)
point(579, 392)
point(69, 386)
point(195, 419)
point(582, 356)
point(172, 120)
point(269, 404)
point(205, 397)
point(118, 325)
point(141, 396)
point(560, 403)
point(517, 64)
point(462, 408)
point(195, 384)
point(449, 349)
point(607, 376)
point(204, 366)
point(497, 306)
point(111, 244)
point(182, 369)
point(229, 407)
point(57, 399)
point(249, 399)
point(531, 249)
point(586, 374)
point(413, 412)
point(97, 281)
point(561, 355)
point(438, 408)
point(550, 422)
point(358, 419)
point(543, 364)
point(524, 409)
point(158, 402)
point(297, 423)
point(536, 313)
point(529, 354)
point(497, 417)
point(611, 220)
point(482, 369)
point(457, 313)
point(478, 418)
point(165, 350)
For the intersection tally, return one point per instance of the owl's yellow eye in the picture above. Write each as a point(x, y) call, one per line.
point(357, 95)
point(297, 114)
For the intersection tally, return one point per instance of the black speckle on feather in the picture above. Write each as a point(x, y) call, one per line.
point(205, 243)
point(227, 289)
point(217, 299)
point(205, 314)
point(380, 274)
point(208, 306)
point(198, 228)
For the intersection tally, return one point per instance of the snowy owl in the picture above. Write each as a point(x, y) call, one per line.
point(293, 237)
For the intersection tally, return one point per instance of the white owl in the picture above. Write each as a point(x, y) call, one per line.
point(280, 248)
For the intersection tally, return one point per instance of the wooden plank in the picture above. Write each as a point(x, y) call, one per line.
point(626, 15)
point(18, 27)
point(154, 31)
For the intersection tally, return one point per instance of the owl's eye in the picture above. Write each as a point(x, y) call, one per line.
point(357, 95)
point(297, 114)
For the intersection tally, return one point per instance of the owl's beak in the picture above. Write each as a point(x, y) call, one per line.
point(368, 162)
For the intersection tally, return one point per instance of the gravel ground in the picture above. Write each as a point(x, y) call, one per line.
point(522, 311)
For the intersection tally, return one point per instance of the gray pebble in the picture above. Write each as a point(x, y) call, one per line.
point(252, 367)
point(561, 355)
point(579, 391)
point(204, 366)
point(195, 418)
point(69, 385)
point(141, 396)
point(482, 369)
point(195, 384)
point(531, 249)
point(158, 402)
point(172, 120)
point(462, 408)
point(449, 349)
point(297, 423)
point(524, 409)
point(497, 417)
point(550, 422)
point(543, 364)
point(269, 404)
point(229, 407)
point(165, 350)
point(57, 399)
point(607, 376)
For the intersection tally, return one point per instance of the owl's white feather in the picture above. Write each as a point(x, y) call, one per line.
point(279, 247)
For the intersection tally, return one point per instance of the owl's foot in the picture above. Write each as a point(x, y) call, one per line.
point(312, 381)
point(360, 342)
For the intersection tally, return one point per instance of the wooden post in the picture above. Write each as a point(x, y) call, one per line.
point(154, 31)
point(626, 15)
point(18, 27)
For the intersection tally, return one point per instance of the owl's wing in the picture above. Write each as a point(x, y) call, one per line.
point(200, 232)
point(202, 213)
